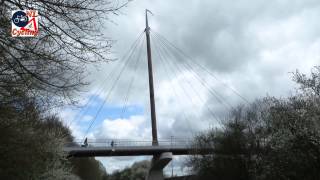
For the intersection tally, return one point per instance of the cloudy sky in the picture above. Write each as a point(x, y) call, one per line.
point(249, 47)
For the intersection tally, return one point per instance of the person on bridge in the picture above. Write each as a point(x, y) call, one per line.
point(112, 145)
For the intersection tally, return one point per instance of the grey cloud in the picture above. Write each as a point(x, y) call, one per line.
point(215, 32)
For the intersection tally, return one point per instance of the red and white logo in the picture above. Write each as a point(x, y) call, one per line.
point(24, 23)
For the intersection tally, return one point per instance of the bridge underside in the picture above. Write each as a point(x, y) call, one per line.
point(125, 151)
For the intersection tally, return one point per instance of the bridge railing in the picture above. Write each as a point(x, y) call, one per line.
point(129, 143)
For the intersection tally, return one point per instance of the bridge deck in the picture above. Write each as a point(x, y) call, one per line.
point(104, 147)
point(126, 150)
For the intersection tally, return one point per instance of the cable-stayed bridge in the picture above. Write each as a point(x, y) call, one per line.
point(174, 62)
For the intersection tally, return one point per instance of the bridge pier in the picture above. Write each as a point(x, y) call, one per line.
point(158, 163)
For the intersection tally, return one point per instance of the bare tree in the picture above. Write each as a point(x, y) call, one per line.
point(52, 65)
point(310, 84)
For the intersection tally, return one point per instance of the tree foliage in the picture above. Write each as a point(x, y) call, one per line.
point(31, 144)
point(137, 171)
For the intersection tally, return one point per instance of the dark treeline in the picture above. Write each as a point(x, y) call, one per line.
point(272, 138)
point(31, 143)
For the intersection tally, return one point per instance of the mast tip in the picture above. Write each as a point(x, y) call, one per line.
point(147, 10)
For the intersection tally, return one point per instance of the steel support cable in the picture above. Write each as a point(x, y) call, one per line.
point(108, 95)
point(213, 92)
point(156, 79)
point(190, 84)
point(123, 111)
point(110, 91)
point(166, 70)
point(98, 91)
point(199, 97)
point(157, 84)
point(157, 74)
point(203, 68)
